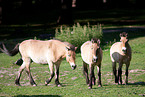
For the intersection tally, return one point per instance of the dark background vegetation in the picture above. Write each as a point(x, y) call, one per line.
point(29, 18)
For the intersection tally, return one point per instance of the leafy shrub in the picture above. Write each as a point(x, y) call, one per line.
point(78, 34)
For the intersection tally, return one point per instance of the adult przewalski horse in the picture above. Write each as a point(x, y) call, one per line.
point(91, 53)
point(44, 52)
point(120, 52)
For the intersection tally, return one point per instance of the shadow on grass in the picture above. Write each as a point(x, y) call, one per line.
point(37, 96)
point(137, 83)
point(66, 84)
point(122, 86)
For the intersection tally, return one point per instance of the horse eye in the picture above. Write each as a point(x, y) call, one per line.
point(91, 48)
point(68, 55)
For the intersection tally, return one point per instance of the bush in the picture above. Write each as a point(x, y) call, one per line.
point(78, 34)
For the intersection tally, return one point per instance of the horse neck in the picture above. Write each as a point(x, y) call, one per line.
point(59, 51)
point(122, 44)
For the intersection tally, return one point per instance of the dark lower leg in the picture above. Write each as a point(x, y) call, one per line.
point(49, 80)
point(91, 76)
point(17, 80)
point(126, 80)
point(114, 71)
point(93, 80)
point(32, 82)
point(57, 77)
point(90, 82)
point(120, 76)
point(99, 79)
point(85, 71)
point(99, 76)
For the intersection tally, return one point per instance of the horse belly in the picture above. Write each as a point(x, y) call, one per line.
point(116, 57)
point(39, 57)
point(40, 60)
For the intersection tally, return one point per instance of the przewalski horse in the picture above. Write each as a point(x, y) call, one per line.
point(120, 52)
point(91, 53)
point(44, 52)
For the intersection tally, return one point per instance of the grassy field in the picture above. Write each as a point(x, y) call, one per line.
point(73, 81)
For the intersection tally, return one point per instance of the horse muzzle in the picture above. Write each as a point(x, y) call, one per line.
point(124, 50)
point(73, 66)
point(95, 59)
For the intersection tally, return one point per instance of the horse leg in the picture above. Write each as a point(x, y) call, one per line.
point(93, 79)
point(114, 71)
point(85, 71)
point(51, 67)
point(91, 76)
point(126, 73)
point(17, 81)
point(99, 75)
point(120, 73)
point(32, 82)
point(57, 74)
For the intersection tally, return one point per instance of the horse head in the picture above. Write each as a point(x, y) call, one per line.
point(70, 56)
point(124, 41)
point(95, 47)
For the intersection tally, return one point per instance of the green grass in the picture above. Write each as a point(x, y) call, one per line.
point(73, 81)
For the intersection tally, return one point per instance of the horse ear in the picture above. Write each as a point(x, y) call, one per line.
point(92, 40)
point(98, 41)
point(127, 40)
point(120, 35)
point(67, 48)
point(76, 48)
point(126, 34)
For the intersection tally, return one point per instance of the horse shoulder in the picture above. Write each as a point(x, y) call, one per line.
point(116, 52)
point(57, 50)
point(116, 47)
point(85, 52)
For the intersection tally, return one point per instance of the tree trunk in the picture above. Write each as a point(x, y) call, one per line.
point(65, 12)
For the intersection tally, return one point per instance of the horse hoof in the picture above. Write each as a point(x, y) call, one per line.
point(59, 85)
point(34, 85)
point(45, 83)
point(99, 85)
point(89, 87)
point(126, 83)
point(17, 84)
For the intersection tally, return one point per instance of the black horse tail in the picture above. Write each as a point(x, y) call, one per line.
point(12, 52)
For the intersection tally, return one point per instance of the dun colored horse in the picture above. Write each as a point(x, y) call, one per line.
point(120, 52)
point(44, 52)
point(91, 53)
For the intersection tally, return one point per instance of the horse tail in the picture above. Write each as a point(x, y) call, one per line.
point(12, 52)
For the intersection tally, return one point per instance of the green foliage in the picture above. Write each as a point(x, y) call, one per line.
point(78, 34)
